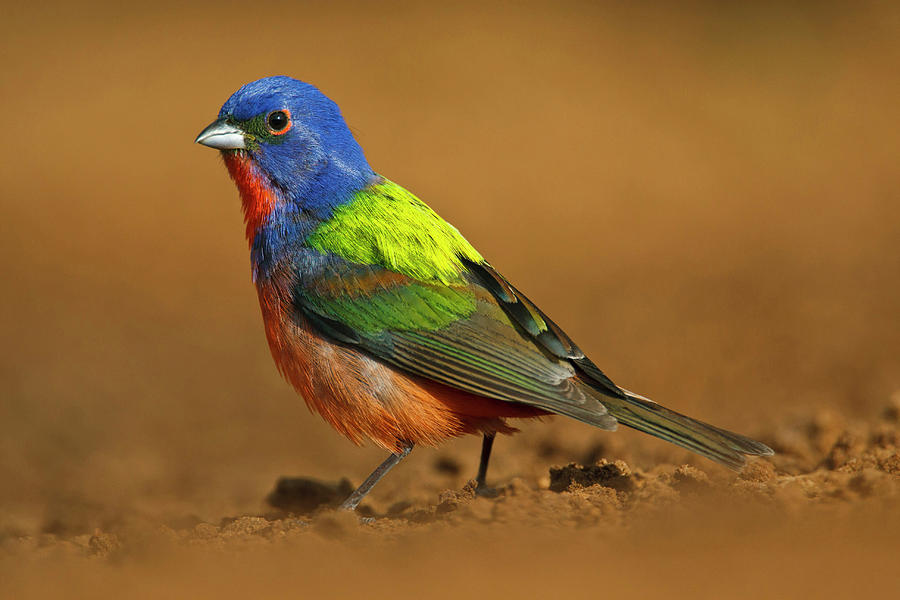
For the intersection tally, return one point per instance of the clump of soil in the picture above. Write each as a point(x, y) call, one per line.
point(615, 475)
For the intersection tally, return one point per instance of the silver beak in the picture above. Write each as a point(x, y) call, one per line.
point(222, 136)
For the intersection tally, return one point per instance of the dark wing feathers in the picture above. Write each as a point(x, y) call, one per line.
point(544, 332)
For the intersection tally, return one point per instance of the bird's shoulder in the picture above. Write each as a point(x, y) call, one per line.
point(387, 226)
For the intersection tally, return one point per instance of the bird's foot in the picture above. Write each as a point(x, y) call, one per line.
point(483, 491)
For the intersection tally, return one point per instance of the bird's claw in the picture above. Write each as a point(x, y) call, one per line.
point(484, 491)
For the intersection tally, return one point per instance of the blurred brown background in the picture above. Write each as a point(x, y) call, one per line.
point(705, 195)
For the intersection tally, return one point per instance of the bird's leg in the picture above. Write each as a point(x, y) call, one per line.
point(481, 481)
point(356, 497)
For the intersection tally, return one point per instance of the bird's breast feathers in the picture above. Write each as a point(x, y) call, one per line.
point(258, 197)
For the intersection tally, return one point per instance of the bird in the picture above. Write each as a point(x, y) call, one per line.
point(384, 318)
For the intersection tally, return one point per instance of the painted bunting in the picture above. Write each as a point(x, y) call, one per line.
point(384, 318)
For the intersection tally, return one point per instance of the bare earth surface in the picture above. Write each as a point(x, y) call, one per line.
point(704, 195)
point(819, 518)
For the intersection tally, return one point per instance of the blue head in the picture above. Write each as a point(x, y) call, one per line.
point(296, 137)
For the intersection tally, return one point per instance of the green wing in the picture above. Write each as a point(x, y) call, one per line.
point(401, 284)
point(456, 334)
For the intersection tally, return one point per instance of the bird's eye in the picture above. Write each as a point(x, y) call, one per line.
point(279, 121)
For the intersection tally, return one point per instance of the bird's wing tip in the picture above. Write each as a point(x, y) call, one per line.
point(765, 450)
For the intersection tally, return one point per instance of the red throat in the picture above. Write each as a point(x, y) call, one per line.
point(257, 197)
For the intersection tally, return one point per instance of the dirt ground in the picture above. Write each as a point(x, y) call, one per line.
point(706, 197)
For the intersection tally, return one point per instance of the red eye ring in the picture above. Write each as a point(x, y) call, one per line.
point(279, 121)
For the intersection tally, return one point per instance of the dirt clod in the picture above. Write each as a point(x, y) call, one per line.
point(691, 478)
point(847, 448)
point(103, 544)
point(616, 475)
point(759, 471)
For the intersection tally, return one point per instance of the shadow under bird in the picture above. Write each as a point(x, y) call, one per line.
point(384, 318)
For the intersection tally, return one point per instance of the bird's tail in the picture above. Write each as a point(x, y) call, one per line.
point(716, 444)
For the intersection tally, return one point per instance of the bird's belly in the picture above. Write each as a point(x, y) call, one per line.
point(363, 398)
